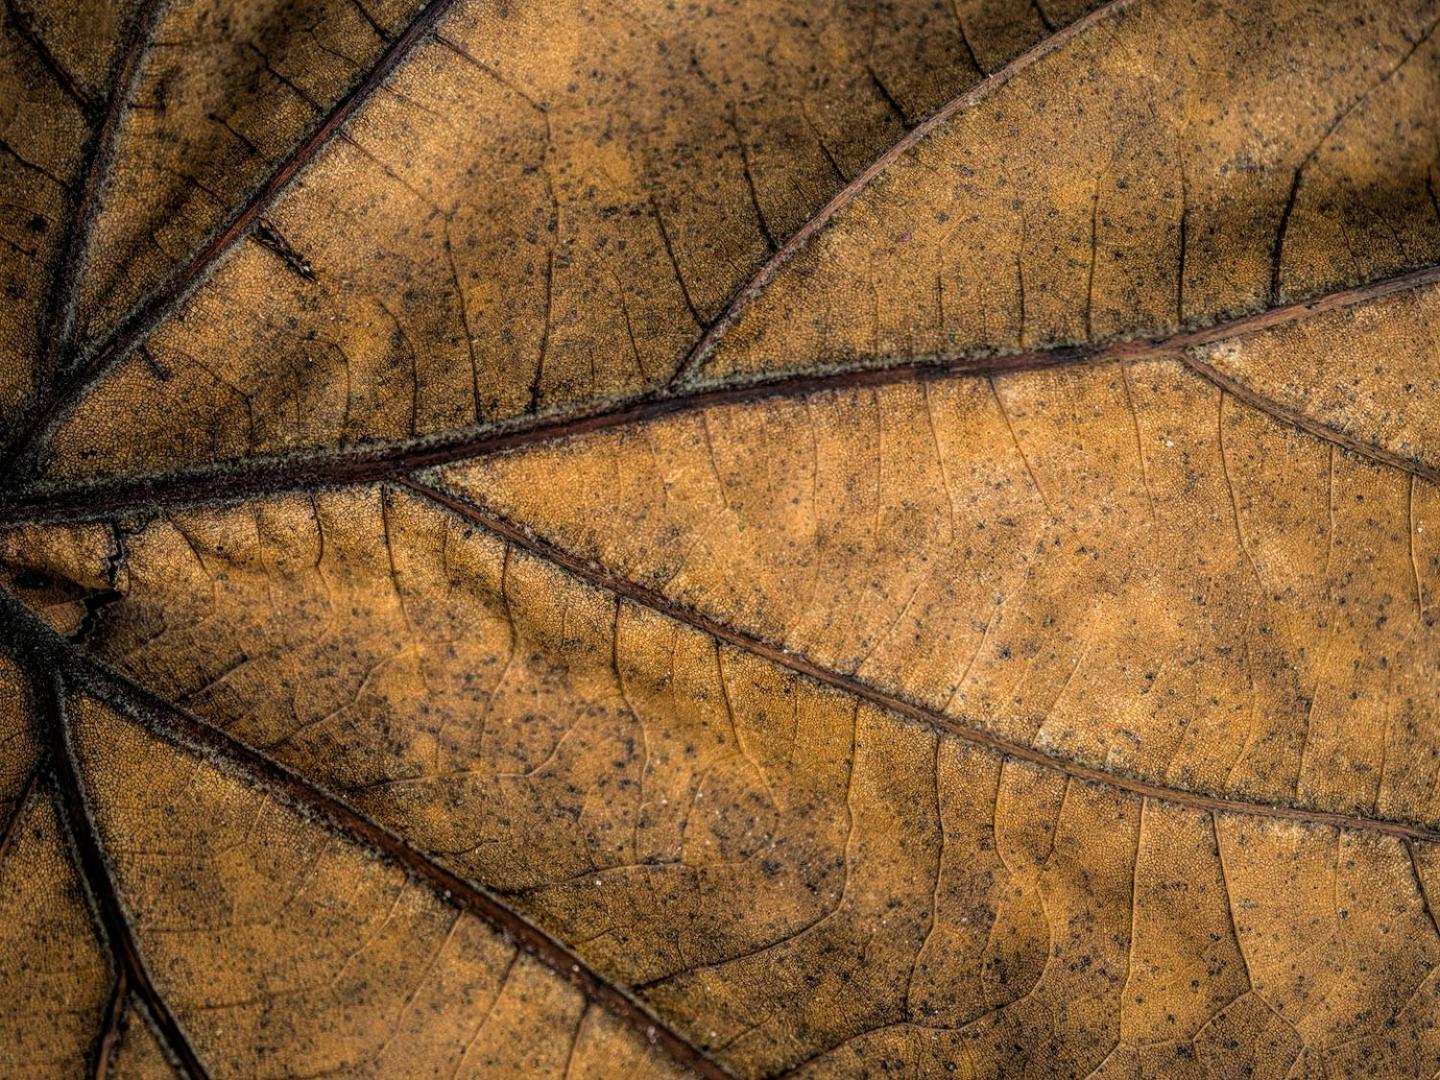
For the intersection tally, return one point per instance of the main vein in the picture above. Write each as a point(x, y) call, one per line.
point(590, 573)
point(137, 326)
point(84, 501)
point(43, 651)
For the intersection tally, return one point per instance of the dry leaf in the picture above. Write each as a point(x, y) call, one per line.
point(562, 538)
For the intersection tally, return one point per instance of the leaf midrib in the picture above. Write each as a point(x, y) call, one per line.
point(135, 328)
point(51, 503)
point(29, 442)
point(592, 574)
point(396, 467)
point(78, 502)
point(51, 660)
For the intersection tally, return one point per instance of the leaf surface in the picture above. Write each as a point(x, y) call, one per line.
point(575, 540)
point(556, 199)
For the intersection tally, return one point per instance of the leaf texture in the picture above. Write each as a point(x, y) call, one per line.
point(549, 226)
point(755, 539)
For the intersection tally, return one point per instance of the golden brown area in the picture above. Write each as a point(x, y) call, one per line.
point(1121, 564)
point(1183, 162)
point(284, 950)
point(18, 744)
point(51, 58)
point(138, 1053)
point(53, 967)
point(789, 874)
point(229, 90)
point(545, 207)
point(745, 539)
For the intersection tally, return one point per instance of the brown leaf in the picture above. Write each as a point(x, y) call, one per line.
point(751, 539)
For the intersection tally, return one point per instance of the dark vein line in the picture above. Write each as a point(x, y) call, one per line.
point(788, 250)
point(176, 725)
point(824, 149)
point(1181, 244)
point(760, 219)
point(283, 79)
point(1304, 422)
point(1277, 249)
point(1420, 888)
point(34, 166)
point(537, 380)
point(58, 322)
point(674, 262)
point(965, 40)
point(371, 20)
point(1090, 271)
point(181, 283)
point(108, 906)
point(25, 28)
point(103, 499)
point(596, 576)
point(107, 1039)
point(886, 96)
point(7, 836)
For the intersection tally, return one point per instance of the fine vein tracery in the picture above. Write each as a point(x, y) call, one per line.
point(67, 371)
point(58, 502)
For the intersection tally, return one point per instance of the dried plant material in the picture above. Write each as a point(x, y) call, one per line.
point(755, 539)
